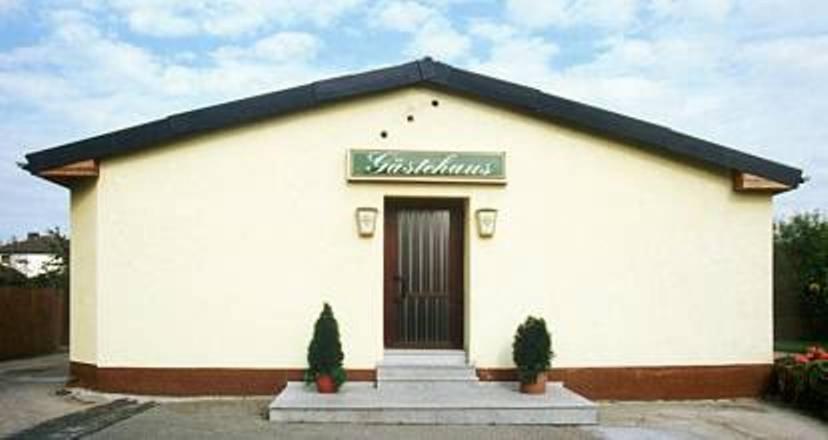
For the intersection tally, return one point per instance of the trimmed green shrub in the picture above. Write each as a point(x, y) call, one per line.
point(325, 350)
point(532, 349)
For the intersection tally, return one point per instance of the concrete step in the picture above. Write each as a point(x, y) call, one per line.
point(425, 373)
point(423, 357)
point(484, 403)
point(435, 387)
point(424, 370)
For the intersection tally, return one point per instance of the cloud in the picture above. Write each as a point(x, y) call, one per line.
point(610, 14)
point(279, 47)
point(76, 66)
point(162, 18)
point(741, 73)
point(440, 39)
point(776, 18)
point(513, 54)
point(432, 33)
point(534, 14)
point(491, 31)
point(79, 80)
point(162, 22)
point(799, 56)
point(8, 6)
point(699, 67)
point(118, 83)
point(403, 16)
point(708, 10)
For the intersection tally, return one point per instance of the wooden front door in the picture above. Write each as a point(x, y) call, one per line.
point(424, 273)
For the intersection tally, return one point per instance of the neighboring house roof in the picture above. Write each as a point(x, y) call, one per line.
point(33, 244)
point(428, 73)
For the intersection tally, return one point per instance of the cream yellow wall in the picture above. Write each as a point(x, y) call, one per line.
point(83, 268)
point(219, 251)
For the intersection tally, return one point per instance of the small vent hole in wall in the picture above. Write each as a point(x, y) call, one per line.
point(410, 118)
point(383, 134)
point(435, 103)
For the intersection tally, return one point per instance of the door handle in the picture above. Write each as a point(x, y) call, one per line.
point(401, 281)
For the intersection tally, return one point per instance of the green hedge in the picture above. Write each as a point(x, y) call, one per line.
point(794, 346)
point(803, 381)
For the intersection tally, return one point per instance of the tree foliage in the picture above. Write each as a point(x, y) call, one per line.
point(11, 277)
point(803, 240)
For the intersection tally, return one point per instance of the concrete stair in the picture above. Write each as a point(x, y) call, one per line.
point(423, 369)
point(431, 387)
point(497, 403)
point(398, 357)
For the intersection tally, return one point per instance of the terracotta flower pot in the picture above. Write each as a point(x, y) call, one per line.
point(325, 384)
point(538, 387)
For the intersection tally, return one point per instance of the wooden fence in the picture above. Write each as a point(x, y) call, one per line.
point(32, 321)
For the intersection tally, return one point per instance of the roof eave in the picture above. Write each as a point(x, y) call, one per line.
point(423, 72)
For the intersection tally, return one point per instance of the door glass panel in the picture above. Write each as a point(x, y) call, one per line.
point(423, 269)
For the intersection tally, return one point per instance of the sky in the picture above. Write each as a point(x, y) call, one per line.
point(750, 74)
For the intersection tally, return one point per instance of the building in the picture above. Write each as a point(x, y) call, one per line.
point(431, 207)
point(31, 257)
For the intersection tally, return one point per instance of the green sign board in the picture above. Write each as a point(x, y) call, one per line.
point(427, 166)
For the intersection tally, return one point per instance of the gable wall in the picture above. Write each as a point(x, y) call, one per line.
point(219, 251)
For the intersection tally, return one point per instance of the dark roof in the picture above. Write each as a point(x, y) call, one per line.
point(425, 72)
point(33, 244)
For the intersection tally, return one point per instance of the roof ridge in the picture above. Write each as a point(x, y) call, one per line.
point(426, 66)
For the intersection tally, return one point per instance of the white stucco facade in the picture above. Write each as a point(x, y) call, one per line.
point(219, 251)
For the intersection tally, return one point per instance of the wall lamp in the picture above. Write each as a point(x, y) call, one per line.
point(366, 219)
point(486, 222)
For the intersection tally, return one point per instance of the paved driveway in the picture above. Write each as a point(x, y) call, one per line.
point(245, 419)
point(28, 390)
point(28, 397)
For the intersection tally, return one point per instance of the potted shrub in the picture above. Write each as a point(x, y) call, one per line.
point(325, 354)
point(532, 353)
